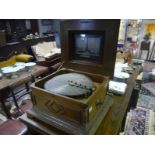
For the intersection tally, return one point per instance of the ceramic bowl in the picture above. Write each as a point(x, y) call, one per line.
point(20, 64)
point(7, 68)
point(121, 77)
point(20, 68)
point(30, 65)
point(9, 72)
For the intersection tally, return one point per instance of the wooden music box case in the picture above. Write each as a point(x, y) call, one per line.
point(76, 92)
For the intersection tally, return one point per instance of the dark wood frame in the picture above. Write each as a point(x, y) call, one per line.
point(109, 27)
point(8, 51)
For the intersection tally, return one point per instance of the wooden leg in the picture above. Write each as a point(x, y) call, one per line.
point(3, 95)
point(32, 78)
point(4, 108)
point(14, 98)
point(27, 87)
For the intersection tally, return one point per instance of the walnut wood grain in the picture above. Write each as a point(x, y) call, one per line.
point(108, 124)
point(113, 120)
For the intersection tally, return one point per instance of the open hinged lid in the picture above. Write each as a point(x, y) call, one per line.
point(90, 45)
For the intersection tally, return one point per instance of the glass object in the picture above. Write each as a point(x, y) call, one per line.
point(88, 46)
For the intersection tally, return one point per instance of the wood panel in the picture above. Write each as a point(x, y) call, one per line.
point(7, 51)
point(109, 28)
point(113, 120)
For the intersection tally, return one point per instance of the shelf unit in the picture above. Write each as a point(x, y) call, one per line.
point(133, 28)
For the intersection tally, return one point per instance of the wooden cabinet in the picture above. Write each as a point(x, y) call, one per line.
point(110, 124)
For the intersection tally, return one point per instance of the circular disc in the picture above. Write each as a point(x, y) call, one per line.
point(60, 85)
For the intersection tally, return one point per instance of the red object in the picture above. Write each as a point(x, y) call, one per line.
point(23, 108)
point(13, 127)
point(26, 105)
point(133, 45)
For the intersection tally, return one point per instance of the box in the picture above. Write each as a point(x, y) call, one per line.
point(79, 111)
point(89, 48)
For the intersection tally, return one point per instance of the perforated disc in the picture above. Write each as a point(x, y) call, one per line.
point(82, 85)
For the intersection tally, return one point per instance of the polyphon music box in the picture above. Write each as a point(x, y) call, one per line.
point(75, 93)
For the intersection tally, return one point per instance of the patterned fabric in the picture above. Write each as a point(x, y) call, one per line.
point(45, 49)
point(141, 120)
point(135, 124)
point(148, 66)
point(147, 102)
point(149, 88)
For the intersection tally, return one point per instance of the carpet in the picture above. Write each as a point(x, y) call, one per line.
point(148, 66)
point(149, 87)
point(147, 102)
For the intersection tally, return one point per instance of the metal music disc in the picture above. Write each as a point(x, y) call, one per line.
point(70, 84)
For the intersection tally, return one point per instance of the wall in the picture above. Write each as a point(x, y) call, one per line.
point(56, 25)
point(43, 28)
point(56, 29)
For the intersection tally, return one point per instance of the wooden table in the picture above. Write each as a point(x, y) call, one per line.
point(6, 84)
point(109, 125)
point(23, 76)
point(112, 123)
